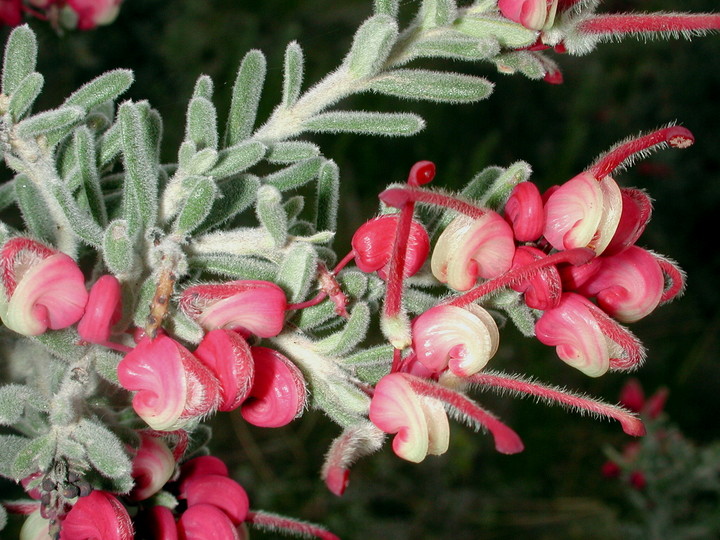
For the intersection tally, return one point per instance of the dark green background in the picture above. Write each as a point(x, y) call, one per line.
point(553, 489)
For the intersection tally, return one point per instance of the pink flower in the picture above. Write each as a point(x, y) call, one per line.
point(633, 397)
point(35, 527)
point(628, 286)
point(11, 12)
point(227, 355)
point(583, 212)
point(247, 306)
point(206, 522)
point(373, 244)
point(157, 522)
point(43, 289)
point(172, 386)
point(98, 516)
point(524, 212)
point(218, 490)
point(202, 465)
point(532, 14)
point(576, 335)
point(278, 393)
point(102, 311)
point(152, 467)
point(470, 248)
point(92, 13)
point(461, 339)
point(541, 291)
point(420, 423)
point(636, 212)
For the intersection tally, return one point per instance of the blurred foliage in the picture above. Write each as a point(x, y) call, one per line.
point(554, 489)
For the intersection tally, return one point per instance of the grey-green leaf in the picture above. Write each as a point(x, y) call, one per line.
point(25, 94)
point(201, 127)
point(13, 400)
point(371, 46)
point(118, 250)
point(233, 266)
point(246, 97)
point(20, 58)
point(297, 271)
point(60, 119)
point(197, 206)
point(328, 196)
point(238, 158)
point(508, 34)
point(236, 194)
point(271, 214)
point(367, 123)
point(103, 449)
point(35, 212)
point(293, 77)
point(386, 7)
point(352, 333)
point(35, 456)
point(447, 43)
point(107, 87)
point(435, 13)
point(203, 87)
point(87, 166)
point(292, 151)
point(295, 175)
point(432, 86)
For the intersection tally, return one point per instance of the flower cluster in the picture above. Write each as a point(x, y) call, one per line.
point(66, 14)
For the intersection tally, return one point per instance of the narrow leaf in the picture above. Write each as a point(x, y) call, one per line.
point(235, 195)
point(328, 196)
point(13, 400)
point(10, 448)
point(351, 335)
point(202, 161)
point(386, 7)
point(371, 46)
point(82, 224)
point(246, 97)
point(201, 127)
point(233, 266)
point(53, 120)
point(203, 87)
point(20, 58)
point(237, 158)
point(118, 251)
point(106, 87)
point(297, 271)
point(295, 175)
point(7, 194)
point(432, 85)
point(293, 77)
point(437, 13)
point(109, 145)
point(197, 206)
point(35, 456)
point(446, 43)
point(271, 214)
point(87, 166)
point(367, 123)
point(103, 449)
point(25, 94)
point(508, 34)
point(292, 151)
point(35, 212)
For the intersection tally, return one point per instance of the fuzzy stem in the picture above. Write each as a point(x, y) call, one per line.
point(644, 24)
point(674, 136)
point(576, 256)
point(630, 423)
point(506, 440)
point(397, 197)
point(273, 522)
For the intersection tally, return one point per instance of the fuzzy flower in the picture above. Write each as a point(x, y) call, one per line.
point(98, 516)
point(248, 306)
point(43, 289)
point(172, 386)
point(102, 311)
point(543, 289)
point(152, 466)
point(524, 212)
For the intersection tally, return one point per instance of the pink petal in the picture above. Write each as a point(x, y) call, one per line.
point(396, 408)
point(471, 248)
point(532, 14)
point(542, 291)
point(219, 491)
point(636, 212)
point(278, 394)
point(632, 395)
point(98, 516)
point(203, 465)
point(152, 467)
point(576, 335)
point(249, 306)
point(228, 356)
point(373, 242)
point(102, 311)
point(206, 522)
point(158, 523)
point(51, 294)
point(463, 339)
point(524, 211)
point(172, 386)
point(628, 285)
point(573, 212)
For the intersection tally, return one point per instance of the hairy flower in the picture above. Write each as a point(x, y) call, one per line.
point(172, 386)
point(206, 521)
point(152, 467)
point(43, 289)
point(102, 311)
point(524, 212)
point(98, 516)
point(542, 290)
point(248, 306)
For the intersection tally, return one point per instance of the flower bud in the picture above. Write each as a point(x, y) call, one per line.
point(421, 428)
point(99, 516)
point(172, 386)
point(205, 521)
point(278, 393)
point(373, 243)
point(44, 289)
point(583, 212)
point(524, 212)
point(227, 355)
point(470, 248)
point(628, 286)
point(102, 311)
point(576, 335)
point(532, 14)
point(219, 491)
point(543, 289)
point(152, 467)
point(461, 339)
point(636, 212)
point(248, 306)
point(202, 465)
point(156, 522)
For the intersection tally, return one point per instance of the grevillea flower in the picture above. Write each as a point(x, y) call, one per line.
point(576, 335)
point(532, 14)
point(102, 311)
point(461, 339)
point(156, 522)
point(228, 356)
point(470, 248)
point(543, 289)
point(202, 465)
point(11, 12)
point(278, 393)
point(98, 516)
point(43, 289)
point(373, 242)
point(152, 467)
point(218, 490)
point(248, 306)
point(92, 13)
point(172, 386)
point(628, 286)
point(636, 212)
point(420, 423)
point(633, 397)
point(206, 522)
point(583, 212)
point(524, 211)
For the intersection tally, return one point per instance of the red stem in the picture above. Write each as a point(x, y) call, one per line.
point(631, 23)
point(397, 197)
point(273, 522)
